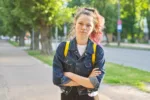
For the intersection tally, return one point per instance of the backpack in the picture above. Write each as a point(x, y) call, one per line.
point(93, 55)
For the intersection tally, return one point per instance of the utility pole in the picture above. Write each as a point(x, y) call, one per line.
point(32, 38)
point(119, 25)
point(56, 35)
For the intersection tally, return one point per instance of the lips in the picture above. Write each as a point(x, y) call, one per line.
point(83, 31)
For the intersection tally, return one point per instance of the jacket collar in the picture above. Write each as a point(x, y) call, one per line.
point(89, 48)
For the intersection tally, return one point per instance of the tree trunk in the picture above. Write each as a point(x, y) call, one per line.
point(36, 40)
point(16, 39)
point(107, 40)
point(148, 24)
point(45, 40)
point(35, 44)
point(21, 39)
point(133, 20)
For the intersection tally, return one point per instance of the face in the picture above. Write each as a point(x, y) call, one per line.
point(84, 26)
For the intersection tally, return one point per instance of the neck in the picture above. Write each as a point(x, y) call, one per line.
point(81, 41)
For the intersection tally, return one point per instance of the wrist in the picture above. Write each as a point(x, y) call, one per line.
point(69, 74)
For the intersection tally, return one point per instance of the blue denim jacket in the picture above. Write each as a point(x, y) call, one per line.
point(81, 65)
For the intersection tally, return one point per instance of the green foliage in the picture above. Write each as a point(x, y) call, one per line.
point(11, 24)
point(110, 15)
point(22, 15)
point(132, 13)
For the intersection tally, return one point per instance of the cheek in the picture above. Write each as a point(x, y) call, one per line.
point(77, 28)
point(91, 29)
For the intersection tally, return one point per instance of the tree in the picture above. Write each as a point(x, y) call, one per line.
point(131, 14)
point(38, 15)
point(11, 24)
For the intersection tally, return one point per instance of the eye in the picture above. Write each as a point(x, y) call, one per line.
point(80, 23)
point(88, 25)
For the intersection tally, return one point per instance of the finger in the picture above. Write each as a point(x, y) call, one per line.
point(96, 74)
point(95, 69)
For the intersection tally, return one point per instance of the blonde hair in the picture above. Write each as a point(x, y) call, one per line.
point(96, 35)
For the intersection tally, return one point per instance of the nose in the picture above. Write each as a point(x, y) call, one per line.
point(84, 27)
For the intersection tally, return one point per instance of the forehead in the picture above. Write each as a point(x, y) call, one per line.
point(85, 18)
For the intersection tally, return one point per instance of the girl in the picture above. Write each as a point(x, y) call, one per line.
point(75, 74)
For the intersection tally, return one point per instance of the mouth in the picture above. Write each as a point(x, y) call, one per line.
point(83, 31)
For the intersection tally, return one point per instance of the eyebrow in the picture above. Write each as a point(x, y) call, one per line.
point(89, 9)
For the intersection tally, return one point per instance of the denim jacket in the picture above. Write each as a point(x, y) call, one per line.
point(81, 65)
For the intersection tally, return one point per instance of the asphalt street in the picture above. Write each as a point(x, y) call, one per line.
point(134, 58)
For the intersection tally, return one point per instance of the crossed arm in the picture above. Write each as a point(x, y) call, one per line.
point(80, 80)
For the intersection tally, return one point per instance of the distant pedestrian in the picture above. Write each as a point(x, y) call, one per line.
point(78, 65)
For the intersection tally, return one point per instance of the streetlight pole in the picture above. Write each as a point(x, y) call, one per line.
point(118, 31)
point(32, 38)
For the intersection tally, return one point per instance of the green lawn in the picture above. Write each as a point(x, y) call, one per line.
point(45, 58)
point(124, 75)
point(115, 73)
point(14, 43)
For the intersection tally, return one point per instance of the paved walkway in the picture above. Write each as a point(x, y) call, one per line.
point(23, 77)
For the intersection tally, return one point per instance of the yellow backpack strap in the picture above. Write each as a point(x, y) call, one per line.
point(94, 54)
point(66, 48)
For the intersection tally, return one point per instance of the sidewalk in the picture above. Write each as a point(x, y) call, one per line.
point(23, 77)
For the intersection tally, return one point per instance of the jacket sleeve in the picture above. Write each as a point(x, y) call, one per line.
point(58, 66)
point(99, 63)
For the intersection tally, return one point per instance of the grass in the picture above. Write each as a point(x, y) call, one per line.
point(115, 73)
point(45, 58)
point(125, 75)
point(14, 43)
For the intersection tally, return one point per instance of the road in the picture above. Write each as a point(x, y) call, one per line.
point(135, 58)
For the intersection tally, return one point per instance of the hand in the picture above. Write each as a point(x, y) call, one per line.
point(95, 72)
